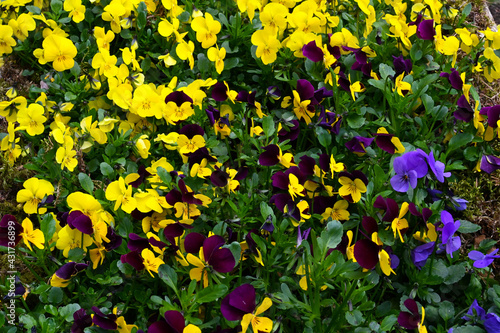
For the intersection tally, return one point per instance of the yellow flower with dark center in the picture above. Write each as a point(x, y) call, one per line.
point(117, 191)
point(352, 187)
point(267, 45)
point(31, 235)
point(300, 108)
point(294, 187)
point(32, 119)
point(206, 30)
point(259, 324)
point(186, 145)
point(34, 191)
point(151, 263)
point(60, 51)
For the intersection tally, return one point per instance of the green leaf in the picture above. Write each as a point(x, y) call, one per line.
point(231, 63)
point(28, 321)
point(106, 169)
point(164, 175)
point(333, 234)
point(67, 311)
point(467, 227)
point(388, 323)
point(211, 293)
point(455, 273)
point(110, 150)
point(55, 295)
point(324, 137)
point(355, 120)
point(385, 71)
point(76, 254)
point(168, 275)
point(141, 16)
point(467, 9)
point(112, 280)
point(380, 84)
point(268, 126)
point(416, 53)
point(468, 329)
point(86, 182)
point(35, 10)
point(446, 310)
point(459, 140)
point(355, 318)
point(56, 6)
point(48, 227)
point(203, 63)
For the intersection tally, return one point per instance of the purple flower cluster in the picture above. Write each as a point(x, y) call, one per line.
point(449, 242)
point(491, 321)
point(413, 165)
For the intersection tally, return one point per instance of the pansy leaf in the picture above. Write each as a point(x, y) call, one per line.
point(55, 295)
point(459, 140)
point(235, 249)
point(164, 175)
point(324, 137)
point(355, 318)
point(455, 274)
point(67, 311)
point(48, 226)
point(168, 275)
point(141, 16)
point(467, 227)
point(211, 293)
point(468, 329)
point(106, 169)
point(268, 126)
point(28, 321)
point(86, 182)
point(388, 323)
point(446, 310)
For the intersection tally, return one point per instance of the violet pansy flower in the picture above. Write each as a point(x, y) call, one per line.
point(449, 242)
point(405, 177)
point(482, 260)
point(437, 168)
point(490, 163)
point(421, 253)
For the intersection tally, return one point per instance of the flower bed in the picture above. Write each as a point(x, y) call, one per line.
point(226, 166)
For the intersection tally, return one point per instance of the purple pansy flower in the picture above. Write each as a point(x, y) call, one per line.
point(9, 221)
point(437, 168)
point(312, 52)
point(454, 79)
point(410, 320)
point(482, 260)
point(358, 144)
point(172, 322)
point(490, 163)
point(425, 30)
point(491, 321)
point(449, 242)
point(107, 322)
point(493, 113)
point(405, 176)
point(402, 65)
point(421, 253)
point(239, 302)
point(81, 321)
point(464, 111)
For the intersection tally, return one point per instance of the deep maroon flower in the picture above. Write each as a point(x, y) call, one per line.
point(330, 121)
point(464, 111)
point(137, 243)
point(81, 321)
point(454, 79)
point(172, 231)
point(219, 92)
point(490, 163)
point(384, 142)
point(493, 113)
point(358, 144)
point(274, 92)
point(143, 174)
point(239, 302)
point(306, 165)
point(290, 131)
point(425, 30)
point(172, 322)
point(410, 320)
point(390, 207)
point(134, 259)
point(178, 97)
point(191, 130)
point(369, 224)
point(10, 231)
point(221, 259)
point(270, 156)
point(193, 242)
point(366, 253)
point(78, 220)
point(107, 322)
point(114, 240)
point(344, 82)
point(312, 52)
point(402, 65)
point(62, 276)
point(199, 155)
point(425, 215)
point(305, 89)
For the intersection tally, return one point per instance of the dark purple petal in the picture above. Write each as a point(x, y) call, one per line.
point(81, 321)
point(492, 323)
point(70, 269)
point(243, 298)
point(281, 200)
point(312, 52)
point(412, 306)
point(291, 133)
point(211, 244)
point(416, 160)
point(369, 224)
point(464, 111)
point(493, 113)
point(366, 253)
point(134, 259)
point(107, 322)
point(219, 178)
point(219, 92)
point(384, 142)
point(270, 156)
point(81, 222)
point(280, 180)
point(137, 243)
point(191, 130)
point(173, 197)
point(358, 144)
point(437, 168)
point(160, 327)
point(114, 240)
point(213, 114)
point(172, 231)
point(305, 89)
point(175, 320)
point(193, 242)
point(307, 164)
point(222, 260)
point(401, 65)
point(481, 314)
point(425, 30)
point(178, 97)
